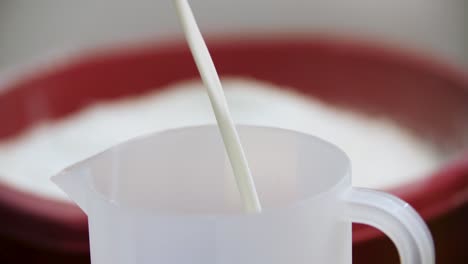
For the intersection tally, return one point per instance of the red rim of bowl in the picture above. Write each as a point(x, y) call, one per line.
point(62, 226)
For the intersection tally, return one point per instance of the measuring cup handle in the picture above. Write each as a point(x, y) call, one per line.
point(397, 219)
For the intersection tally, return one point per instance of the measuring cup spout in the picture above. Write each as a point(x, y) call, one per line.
point(74, 182)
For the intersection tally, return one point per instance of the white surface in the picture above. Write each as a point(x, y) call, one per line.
point(382, 154)
point(157, 200)
point(226, 126)
point(34, 29)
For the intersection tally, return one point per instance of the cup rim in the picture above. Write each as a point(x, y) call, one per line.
point(343, 181)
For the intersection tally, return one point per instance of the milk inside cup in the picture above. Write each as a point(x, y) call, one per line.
point(170, 197)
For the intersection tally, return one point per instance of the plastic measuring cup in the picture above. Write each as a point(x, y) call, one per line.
point(170, 197)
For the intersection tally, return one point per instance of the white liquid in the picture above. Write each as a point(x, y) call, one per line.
point(382, 154)
point(232, 144)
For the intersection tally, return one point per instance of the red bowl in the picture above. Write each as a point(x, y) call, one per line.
point(429, 99)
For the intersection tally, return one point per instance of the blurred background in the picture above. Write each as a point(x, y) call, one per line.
point(31, 30)
point(366, 75)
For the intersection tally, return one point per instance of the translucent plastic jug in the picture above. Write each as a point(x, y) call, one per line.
point(171, 198)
